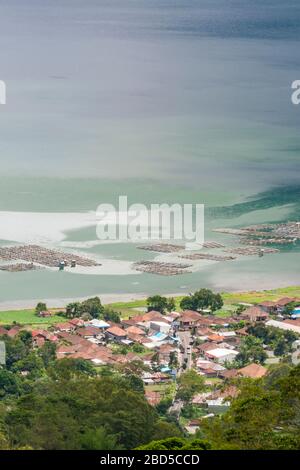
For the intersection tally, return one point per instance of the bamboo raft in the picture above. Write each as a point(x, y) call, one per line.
point(208, 256)
point(162, 248)
point(265, 241)
point(267, 233)
point(213, 245)
point(163, 269)
point(172, 248)
point(251, 251)
point(18, 267)
point(43, 256)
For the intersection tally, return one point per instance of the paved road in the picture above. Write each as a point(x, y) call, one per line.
point(185, 337)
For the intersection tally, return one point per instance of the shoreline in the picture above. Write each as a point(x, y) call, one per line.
point(106, 299)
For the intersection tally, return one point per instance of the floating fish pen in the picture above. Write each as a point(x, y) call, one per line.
point(213, 245)
point(162, 248)
point(265, 241)
point(163, 269)
point(231, 231)
point(267, 233)
point(251, 251)
point(208, 256)
point(18, 267)
point(43, 256)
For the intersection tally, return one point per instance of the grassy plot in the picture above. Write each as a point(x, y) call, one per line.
point(260, 296)
point(27, 317)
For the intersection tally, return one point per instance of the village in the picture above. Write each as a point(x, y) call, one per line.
point(162, 347)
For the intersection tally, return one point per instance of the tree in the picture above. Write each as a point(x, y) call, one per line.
point(176, 443)
point(136, 383)
point(92, 306)
point(31, 364)
point(160, 304)
point(9, 384)
point(26, 338)
point(280, 347)
point(41, 307)
point(189, 383)
point(73, 310)
point(47, 352)
point(173, 361)
point(99, 439)
point(111, 315)
point(202, 299)
point(251, 350)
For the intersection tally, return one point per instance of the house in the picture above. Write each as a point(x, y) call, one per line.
point(67, 326)
point(44, 314)
point(160, 326)
point(116, 333)
point(268, 306)
point(228, 374)
point(189, 319)
point(77, 322)
point(13, 331)
point(282, 303)
point(103, 325)
point(215, 338)
point(254, 314)
point(39, 337)
point(135, 330)
point(88, 332)
point(193, 426)
point(164, 352)
point(221, 355)
point(209, 368)
point(253, 371)
point(155, 378)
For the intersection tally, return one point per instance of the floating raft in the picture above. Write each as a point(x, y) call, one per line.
point(208, 256)
point(163, 269)
point(265, 241)
point(43, 256)
point(213, 245)
point(162, 248)
point(18, 267)
point(267, 233)
point(251, 251)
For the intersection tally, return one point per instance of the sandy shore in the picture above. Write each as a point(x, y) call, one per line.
point(62, 302)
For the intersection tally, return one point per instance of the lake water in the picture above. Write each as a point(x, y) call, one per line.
point(161, 100)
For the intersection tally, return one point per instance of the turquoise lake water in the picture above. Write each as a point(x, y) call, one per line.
point(163, 101)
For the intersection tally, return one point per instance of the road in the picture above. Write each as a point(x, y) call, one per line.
point(186, 355)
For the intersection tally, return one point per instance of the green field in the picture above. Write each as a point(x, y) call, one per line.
point(27, 317)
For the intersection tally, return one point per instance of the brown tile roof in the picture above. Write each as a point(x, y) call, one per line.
point(88, 331)
point(190, 315)
point(116, 331)
point(216, 338)
point(229, 373)
point(267, 303)
point(3, 331)
point(254, 371)
point(135, 330)
point(64, 326)
point(253, 312)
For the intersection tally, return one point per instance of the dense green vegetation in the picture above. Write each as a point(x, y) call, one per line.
point(66, 404)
